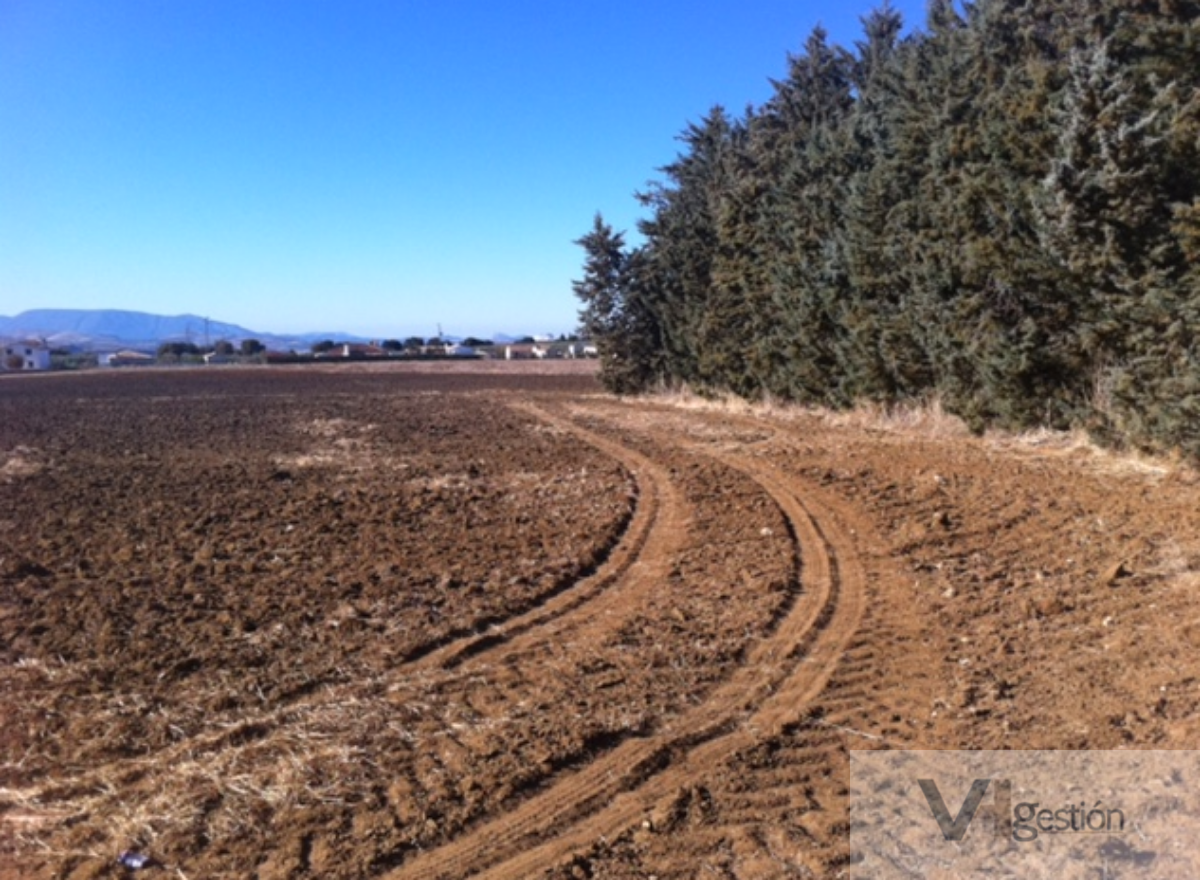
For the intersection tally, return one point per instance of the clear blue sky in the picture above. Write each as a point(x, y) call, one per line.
point(367, 166)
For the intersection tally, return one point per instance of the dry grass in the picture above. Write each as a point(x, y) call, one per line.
point(929, 420)
point(217, 784)
point(19, 462)
point(1179, 562)
point(1077, 447)
point(219, 779)
point(923, 418)
point(224, 778)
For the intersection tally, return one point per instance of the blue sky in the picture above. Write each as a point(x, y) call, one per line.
point(367, 166)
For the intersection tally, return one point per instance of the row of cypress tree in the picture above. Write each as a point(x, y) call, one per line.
point(1001, 210)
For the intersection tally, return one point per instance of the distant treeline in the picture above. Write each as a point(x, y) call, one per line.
point(1001, 211)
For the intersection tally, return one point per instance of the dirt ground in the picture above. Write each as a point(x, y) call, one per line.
point(347, 623)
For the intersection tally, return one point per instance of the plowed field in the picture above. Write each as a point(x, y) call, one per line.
point(285, 623)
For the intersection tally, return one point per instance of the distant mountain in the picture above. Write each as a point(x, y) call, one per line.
point(116, 324)
point(104, 328)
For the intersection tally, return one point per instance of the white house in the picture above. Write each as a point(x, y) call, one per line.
point(519, 351)
point(28, 355)
point(126, 358)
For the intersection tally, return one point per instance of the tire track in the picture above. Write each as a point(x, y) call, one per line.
point(654, 533)
point(782, 806)
point(781, 676)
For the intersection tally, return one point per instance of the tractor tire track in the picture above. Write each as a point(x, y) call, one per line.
point(654, 533)
point(780, 677)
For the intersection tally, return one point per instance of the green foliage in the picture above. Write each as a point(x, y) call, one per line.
point(70, 360)
point(172, 351)
point(1002, 210)
point(614, 313)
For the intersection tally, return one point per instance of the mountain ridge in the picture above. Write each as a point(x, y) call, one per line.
point(102, 328)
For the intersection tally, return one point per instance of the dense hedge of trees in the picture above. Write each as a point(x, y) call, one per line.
point(1001, 210)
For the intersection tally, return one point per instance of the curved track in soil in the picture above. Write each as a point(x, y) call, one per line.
point(637, 560)
point(773, 688)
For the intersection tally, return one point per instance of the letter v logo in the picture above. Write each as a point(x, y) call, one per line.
point(953, 830)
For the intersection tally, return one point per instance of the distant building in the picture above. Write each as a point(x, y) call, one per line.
point(127, 358)
point(524, 350)
point(25, 356)
point(353, 351)
point(363, 350)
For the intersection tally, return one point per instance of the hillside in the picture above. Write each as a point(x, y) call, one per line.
point(101, 328)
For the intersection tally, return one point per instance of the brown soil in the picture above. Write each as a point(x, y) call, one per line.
point(374, 623)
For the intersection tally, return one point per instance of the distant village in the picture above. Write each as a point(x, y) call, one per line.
point(34, 355)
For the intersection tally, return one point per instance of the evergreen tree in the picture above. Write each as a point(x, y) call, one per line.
point(681, 244)
point(613, 318)
point(1002, 210)
point(881, 349)
point(1109, 217)
point(804, 118)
